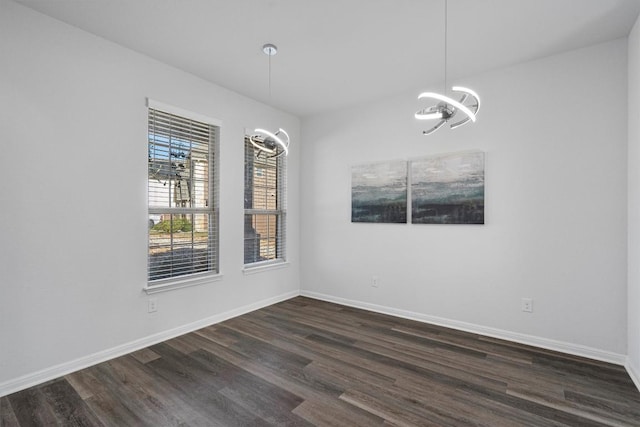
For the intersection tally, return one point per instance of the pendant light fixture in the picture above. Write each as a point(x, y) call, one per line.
point(446, 108)
point(272, 144)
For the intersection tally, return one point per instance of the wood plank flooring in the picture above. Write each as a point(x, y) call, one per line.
point(306, 362)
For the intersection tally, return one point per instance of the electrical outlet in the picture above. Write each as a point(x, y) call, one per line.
point(152, 306)
point(527, 305)
point(374, 281)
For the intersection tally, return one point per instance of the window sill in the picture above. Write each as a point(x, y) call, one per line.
point(260, 267)
point(172, 284)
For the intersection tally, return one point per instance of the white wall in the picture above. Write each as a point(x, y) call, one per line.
point(74, 173)
point(634, 202)
point(554, 133)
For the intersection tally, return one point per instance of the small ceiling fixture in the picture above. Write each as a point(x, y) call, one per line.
point(272, 144)
point(446, 107)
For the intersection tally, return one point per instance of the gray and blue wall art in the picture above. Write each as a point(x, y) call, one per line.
point(379, 192)
point(448, 189)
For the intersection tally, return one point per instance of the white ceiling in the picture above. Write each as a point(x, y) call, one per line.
point(337, 53)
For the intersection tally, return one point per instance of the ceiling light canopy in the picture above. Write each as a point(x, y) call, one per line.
point(446, 107)
point(271, 144)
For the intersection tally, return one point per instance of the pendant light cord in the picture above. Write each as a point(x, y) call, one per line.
point(270, 78)
point(445, 47)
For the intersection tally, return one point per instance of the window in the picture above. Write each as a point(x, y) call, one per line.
point(264, 207)
point(182, 196)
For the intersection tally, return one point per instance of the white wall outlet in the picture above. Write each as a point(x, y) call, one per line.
point(374, 281)
point(152, 306)
point(527, 305)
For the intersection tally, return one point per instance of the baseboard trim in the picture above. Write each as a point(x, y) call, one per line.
point(633, 373)
point(48, 374)
point(563, 347)
point(54, 372)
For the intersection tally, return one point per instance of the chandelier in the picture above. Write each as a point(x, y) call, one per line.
point(272, 144)
point(446, 108)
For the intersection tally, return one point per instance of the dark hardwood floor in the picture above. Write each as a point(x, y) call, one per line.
point(306, 362)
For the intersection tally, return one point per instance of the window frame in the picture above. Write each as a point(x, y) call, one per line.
point(213, 208)
point(280, 212)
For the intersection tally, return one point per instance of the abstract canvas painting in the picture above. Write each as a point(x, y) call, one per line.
point(379, 192)
point(448, 189)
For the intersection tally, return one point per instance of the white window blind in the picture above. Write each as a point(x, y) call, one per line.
point(264, 207)
point(182, 196)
